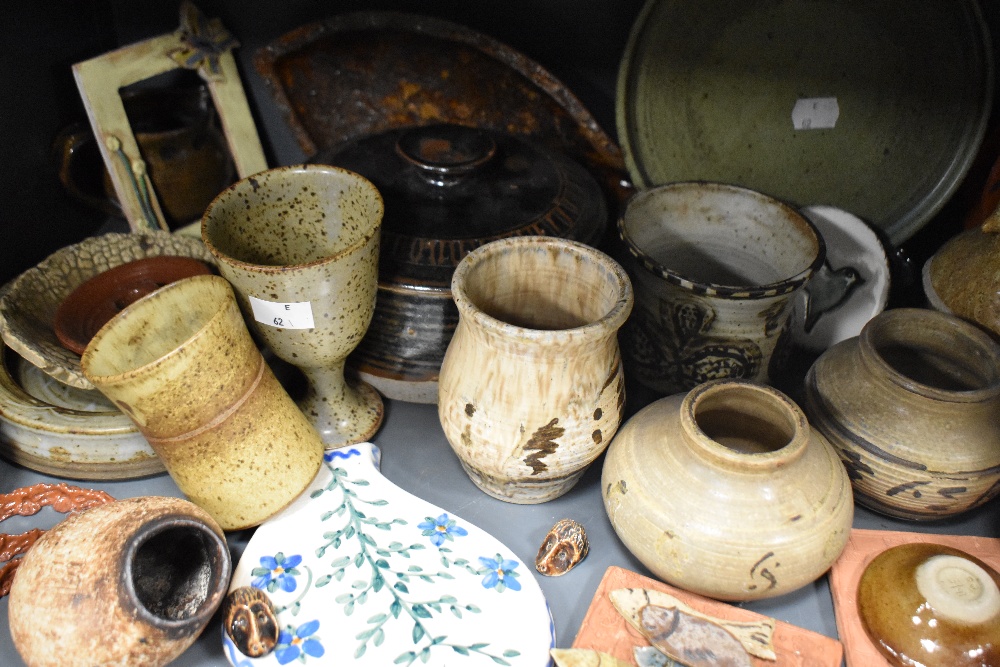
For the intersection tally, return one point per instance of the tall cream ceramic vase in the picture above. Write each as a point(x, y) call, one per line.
point(725, 491)
point(531, 388)
point(133, 582)
point(182, 365)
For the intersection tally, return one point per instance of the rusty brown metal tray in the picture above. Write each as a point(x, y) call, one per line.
point(364, 73)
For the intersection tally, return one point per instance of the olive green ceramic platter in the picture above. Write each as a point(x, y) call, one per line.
point(874, 107)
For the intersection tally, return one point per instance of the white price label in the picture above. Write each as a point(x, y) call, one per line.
point(815, 113)
point(295, 315)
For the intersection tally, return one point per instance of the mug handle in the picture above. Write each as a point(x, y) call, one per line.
point(69, 147)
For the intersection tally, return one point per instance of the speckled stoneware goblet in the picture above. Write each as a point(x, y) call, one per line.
point(300, 245)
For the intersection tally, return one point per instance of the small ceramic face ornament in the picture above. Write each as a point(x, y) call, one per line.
point(249, 620)
point(564, 547)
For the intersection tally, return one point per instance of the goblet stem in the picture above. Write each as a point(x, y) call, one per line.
point(343, 411)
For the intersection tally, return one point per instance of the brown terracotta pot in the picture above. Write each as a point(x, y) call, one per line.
point(132, 582)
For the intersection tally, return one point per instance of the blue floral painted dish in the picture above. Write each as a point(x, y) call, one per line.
point(361, 572)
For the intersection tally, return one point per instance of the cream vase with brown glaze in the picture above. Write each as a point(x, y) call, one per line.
point(531, 388)
point(182, 365)
point(913, 407)
point(726, 492)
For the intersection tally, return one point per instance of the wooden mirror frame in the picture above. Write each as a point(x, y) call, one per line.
point(199, 44)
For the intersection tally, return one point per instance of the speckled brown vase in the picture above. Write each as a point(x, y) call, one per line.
point(531, 388)
point(913, 407)
point(300, 245)
point(132, 582)
point(727, 492)
point(182, 365)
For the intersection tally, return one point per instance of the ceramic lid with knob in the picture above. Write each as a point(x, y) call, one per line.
point(449, 189)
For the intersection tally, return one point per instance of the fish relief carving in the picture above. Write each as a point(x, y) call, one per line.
point(691, 640)
point(755, 636)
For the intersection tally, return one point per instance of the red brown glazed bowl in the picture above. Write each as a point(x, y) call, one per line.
point(92, 304)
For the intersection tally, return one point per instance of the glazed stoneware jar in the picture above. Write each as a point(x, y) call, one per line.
point(715, 269)
point(531, 388)
point(182, 365)
point(727, 492)
point(913, 407)
point(132, 582)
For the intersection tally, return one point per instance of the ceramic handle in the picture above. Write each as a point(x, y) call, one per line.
point(71, 148)
point(444, 154)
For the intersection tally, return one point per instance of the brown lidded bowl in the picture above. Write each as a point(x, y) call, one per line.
point(449, 189)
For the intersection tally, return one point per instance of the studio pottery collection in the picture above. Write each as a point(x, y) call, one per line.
point(466, 275)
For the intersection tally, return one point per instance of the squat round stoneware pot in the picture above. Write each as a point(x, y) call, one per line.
point(531, 388)
point(182, 365)
point(727, 492)
point(133, 582)
point(913, 407)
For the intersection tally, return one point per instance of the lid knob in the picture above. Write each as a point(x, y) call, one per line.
point(446, 153)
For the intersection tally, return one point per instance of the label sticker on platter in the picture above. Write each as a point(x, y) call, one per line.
point(815, 113)
point(295, 315)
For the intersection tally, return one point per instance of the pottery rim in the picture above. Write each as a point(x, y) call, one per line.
point(783, 286)
point(612, 319)
point(949, 337)
point(230, 193)
point(214, 552)
point(761, 401)
point(153, 357)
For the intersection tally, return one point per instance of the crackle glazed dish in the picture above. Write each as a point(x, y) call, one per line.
point(29, 304)
point(359, 572)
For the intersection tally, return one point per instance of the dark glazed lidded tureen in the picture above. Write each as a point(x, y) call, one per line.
point(449, 189)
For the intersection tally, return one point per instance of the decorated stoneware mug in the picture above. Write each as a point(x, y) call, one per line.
point(715, 269)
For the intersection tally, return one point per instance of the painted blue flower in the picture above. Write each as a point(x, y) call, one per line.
point(499, 573)
point(441, 529)
point(277, 571)
point(298, 643)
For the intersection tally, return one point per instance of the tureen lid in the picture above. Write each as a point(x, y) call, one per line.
point(450, 188)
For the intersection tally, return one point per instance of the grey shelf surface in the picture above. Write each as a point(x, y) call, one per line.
point(417, 457)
